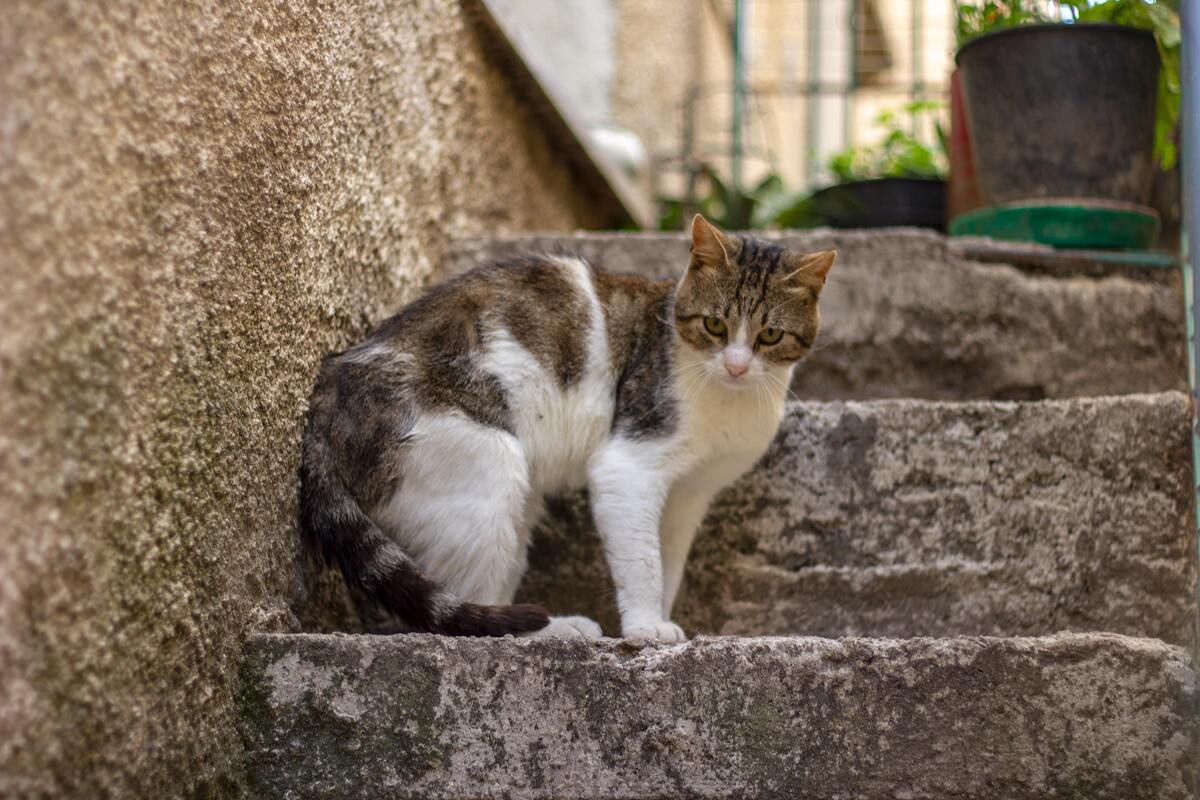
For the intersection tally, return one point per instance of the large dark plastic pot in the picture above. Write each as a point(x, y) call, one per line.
point(882, 203)
point(1061, 111)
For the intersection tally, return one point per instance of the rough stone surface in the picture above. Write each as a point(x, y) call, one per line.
point(905, 316)
point(1073, 715)
point(197, 200)
point(908, 518)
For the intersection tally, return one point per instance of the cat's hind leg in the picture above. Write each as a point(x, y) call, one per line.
point(464, 510)
point(459, 508)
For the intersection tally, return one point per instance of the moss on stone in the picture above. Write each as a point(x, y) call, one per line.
point(178, 253)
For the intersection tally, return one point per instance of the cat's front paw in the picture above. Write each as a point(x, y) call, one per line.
point(654, 632)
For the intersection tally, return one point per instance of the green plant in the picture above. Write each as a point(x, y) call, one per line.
point(766, 204)
point(728, 207)
point(976, 19)
point(899, 154)
point(1160, 17)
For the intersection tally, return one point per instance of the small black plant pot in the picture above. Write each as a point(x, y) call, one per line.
point(1061, 111)
point(883, 203)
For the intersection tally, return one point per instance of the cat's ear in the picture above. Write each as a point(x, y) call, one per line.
point(809, 269)
point(710, 247)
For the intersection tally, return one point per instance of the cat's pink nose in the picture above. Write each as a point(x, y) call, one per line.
point(737, 359)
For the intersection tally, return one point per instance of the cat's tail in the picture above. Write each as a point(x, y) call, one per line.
point(332, 520)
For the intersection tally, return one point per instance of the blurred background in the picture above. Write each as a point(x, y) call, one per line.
point(753, 88)
point(677, 92)
point(743, 109)
point(198, 201)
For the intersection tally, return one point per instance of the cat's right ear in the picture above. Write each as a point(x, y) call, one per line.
point(710, 247)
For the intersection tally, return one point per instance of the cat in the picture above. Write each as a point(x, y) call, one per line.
point(430, 445)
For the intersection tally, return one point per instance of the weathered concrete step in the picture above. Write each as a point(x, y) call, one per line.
point(913, 518)
point(905, 315)
point(1072, 715)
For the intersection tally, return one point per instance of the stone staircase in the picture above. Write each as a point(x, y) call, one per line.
point(904, 315)
point(1010, 586)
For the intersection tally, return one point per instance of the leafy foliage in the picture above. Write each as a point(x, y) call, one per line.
point(1160, 17)
point(977, 18)
point(767, 204)
point(898, 155)
point(728, 207)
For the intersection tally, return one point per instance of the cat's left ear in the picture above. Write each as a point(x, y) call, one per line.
point(809, 269)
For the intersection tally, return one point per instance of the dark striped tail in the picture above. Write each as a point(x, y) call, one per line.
point(331, 518)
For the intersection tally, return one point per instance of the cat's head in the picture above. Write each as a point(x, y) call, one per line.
point(747, 308)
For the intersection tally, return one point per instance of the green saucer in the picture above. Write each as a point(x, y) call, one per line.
point(1063, 223)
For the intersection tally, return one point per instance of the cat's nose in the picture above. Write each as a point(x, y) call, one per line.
point(736, 370)
point(737, 359)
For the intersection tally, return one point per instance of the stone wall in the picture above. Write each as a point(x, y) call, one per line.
point(198, 201)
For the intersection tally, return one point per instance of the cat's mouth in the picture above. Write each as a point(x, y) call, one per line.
point(737, 382)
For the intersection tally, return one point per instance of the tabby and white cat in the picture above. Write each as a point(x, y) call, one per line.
point(430, 445)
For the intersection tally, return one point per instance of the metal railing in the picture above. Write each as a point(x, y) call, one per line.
point(1189, 13)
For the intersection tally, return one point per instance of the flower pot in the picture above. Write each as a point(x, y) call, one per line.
point(883, 202)
point(1062, 117)
point(962, 186)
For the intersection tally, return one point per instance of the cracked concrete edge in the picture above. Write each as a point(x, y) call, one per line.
point(1094, 715)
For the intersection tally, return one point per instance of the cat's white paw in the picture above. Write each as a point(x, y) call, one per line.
point(655, 632)
point(568, 628)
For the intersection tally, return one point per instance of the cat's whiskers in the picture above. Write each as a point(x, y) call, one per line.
point(787, 390)
point(698, 382)
point(690, 373)
point(760, 399)
point(691, 370)
point(697, 385)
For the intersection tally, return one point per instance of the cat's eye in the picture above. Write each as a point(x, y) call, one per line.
point(714, 325)
point(770, 336)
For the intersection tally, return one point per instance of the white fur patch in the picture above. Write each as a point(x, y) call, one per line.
point(722, 420)
point(558, 429)
point(460, 507)
point(568, 628)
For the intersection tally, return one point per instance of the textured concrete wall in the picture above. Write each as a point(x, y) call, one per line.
point(199, 200)
point(903, 518)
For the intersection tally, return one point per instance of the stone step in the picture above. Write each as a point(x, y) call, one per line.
point(916, 518)
point(906, 315)
point(418, 716)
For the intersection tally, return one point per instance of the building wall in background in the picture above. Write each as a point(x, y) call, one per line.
point(199, 200)
point(575, 40)
point(653, 79)
point(815, 82)
point(658, 69)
